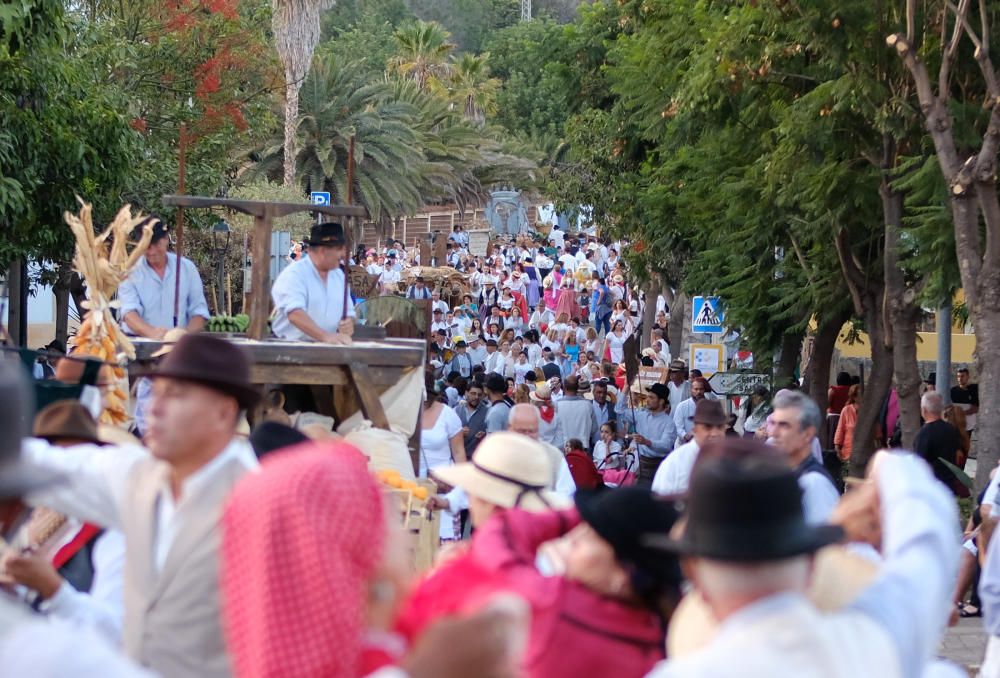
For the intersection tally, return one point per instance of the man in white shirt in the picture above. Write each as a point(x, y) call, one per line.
point(477, 350)
point(675, 472)
point(557, 236)
point(439, 323)
point(752, 560)
point(684, 414)
point(167, 503)
point(389, 280)
point(525, 419)
point(677, 383)
point(568, 261)
point(795, 421)
point(436, 302)
point(311, 297)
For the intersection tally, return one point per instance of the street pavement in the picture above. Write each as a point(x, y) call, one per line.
point(965, 644)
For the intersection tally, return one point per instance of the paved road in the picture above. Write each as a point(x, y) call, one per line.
point(965, 643)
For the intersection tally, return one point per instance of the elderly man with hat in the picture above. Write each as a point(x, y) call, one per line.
point(150, 293)
point(653, 428)
point(675, 472)
point(168, 503)
point(750, 552)
point(461, 361)
point(677, 383)
point(31, 645)
point(311, 297)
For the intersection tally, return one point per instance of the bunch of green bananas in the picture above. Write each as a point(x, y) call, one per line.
point(227, 323)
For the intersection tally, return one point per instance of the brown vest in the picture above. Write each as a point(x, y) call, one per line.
point(172, 617)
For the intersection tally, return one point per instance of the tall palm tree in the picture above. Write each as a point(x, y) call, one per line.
point(471, 86)
point(423, 51)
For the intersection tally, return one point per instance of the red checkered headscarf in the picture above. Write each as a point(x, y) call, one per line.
point(300, 541)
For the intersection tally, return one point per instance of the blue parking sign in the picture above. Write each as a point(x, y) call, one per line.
point(320, 197)
point(707, 315)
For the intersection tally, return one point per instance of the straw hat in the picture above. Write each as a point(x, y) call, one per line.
point(114, 435)
point(510, 471)
point(542, 393)
point(171, 337)
point(839, 577)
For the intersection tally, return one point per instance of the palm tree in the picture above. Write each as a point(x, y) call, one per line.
point(472, 87)
point(423, 51)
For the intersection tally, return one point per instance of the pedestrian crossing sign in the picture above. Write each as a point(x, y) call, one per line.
point(707, 315)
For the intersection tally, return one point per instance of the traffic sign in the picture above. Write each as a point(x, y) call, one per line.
point(320, 197)
point(707, 315)
point(709, 358)
point(738, 383)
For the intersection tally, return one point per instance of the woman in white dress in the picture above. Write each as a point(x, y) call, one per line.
point(616, 342)
point(592, 344)
point(441, 444)
point(619, 313)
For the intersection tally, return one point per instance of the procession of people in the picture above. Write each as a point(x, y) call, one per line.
point(590, 518)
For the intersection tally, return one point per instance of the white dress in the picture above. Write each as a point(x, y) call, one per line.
point(616, 345)
point(435, 451)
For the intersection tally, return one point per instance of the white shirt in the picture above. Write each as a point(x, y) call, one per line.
point(98, 479)
point(53, 648)
point(902, 613)
point(819, 497)
point(300, 287)
point(569, 262)
point(674, 473)
point(103, 608)
point(684, 418)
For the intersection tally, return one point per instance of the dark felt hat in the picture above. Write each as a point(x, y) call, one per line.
point(710, 412)
point(627, 518)
point(330, 234)
point(746, 508)
point(661, 391)
point(212, 362)
point(269, 436)
point(65, 420)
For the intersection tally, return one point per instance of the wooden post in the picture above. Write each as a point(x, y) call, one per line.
point(229, 294)
point(179, 248)
point(404, 229)
point(260, 274)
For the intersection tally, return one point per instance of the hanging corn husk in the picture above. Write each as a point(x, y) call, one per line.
point(104, 266)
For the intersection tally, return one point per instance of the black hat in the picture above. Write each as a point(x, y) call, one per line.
point(496, 383)
point(271, 435)
point(160, 230)
point(461, 344)
point(746, 509)
point(212, 362)
point(330, 234)
point(627, 518)
point(661, 391)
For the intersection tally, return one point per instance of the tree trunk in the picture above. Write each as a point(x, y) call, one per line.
point(904, 314)
point(649, 311)
point(675, 325)
point(790, 351)
point(816, 380)
point(878, 384)
point(987, 324)
point(291, 125)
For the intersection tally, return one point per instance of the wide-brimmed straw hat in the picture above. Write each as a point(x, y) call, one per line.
point(510, 470)
point(542, 393)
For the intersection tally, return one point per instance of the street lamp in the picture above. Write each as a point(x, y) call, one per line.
point(221, 234)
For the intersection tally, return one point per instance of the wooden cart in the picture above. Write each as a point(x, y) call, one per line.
point(359, 373)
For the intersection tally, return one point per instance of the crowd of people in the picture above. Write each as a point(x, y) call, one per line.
point(589, 519)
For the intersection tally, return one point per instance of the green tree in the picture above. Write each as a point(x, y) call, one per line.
point(422, 54)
